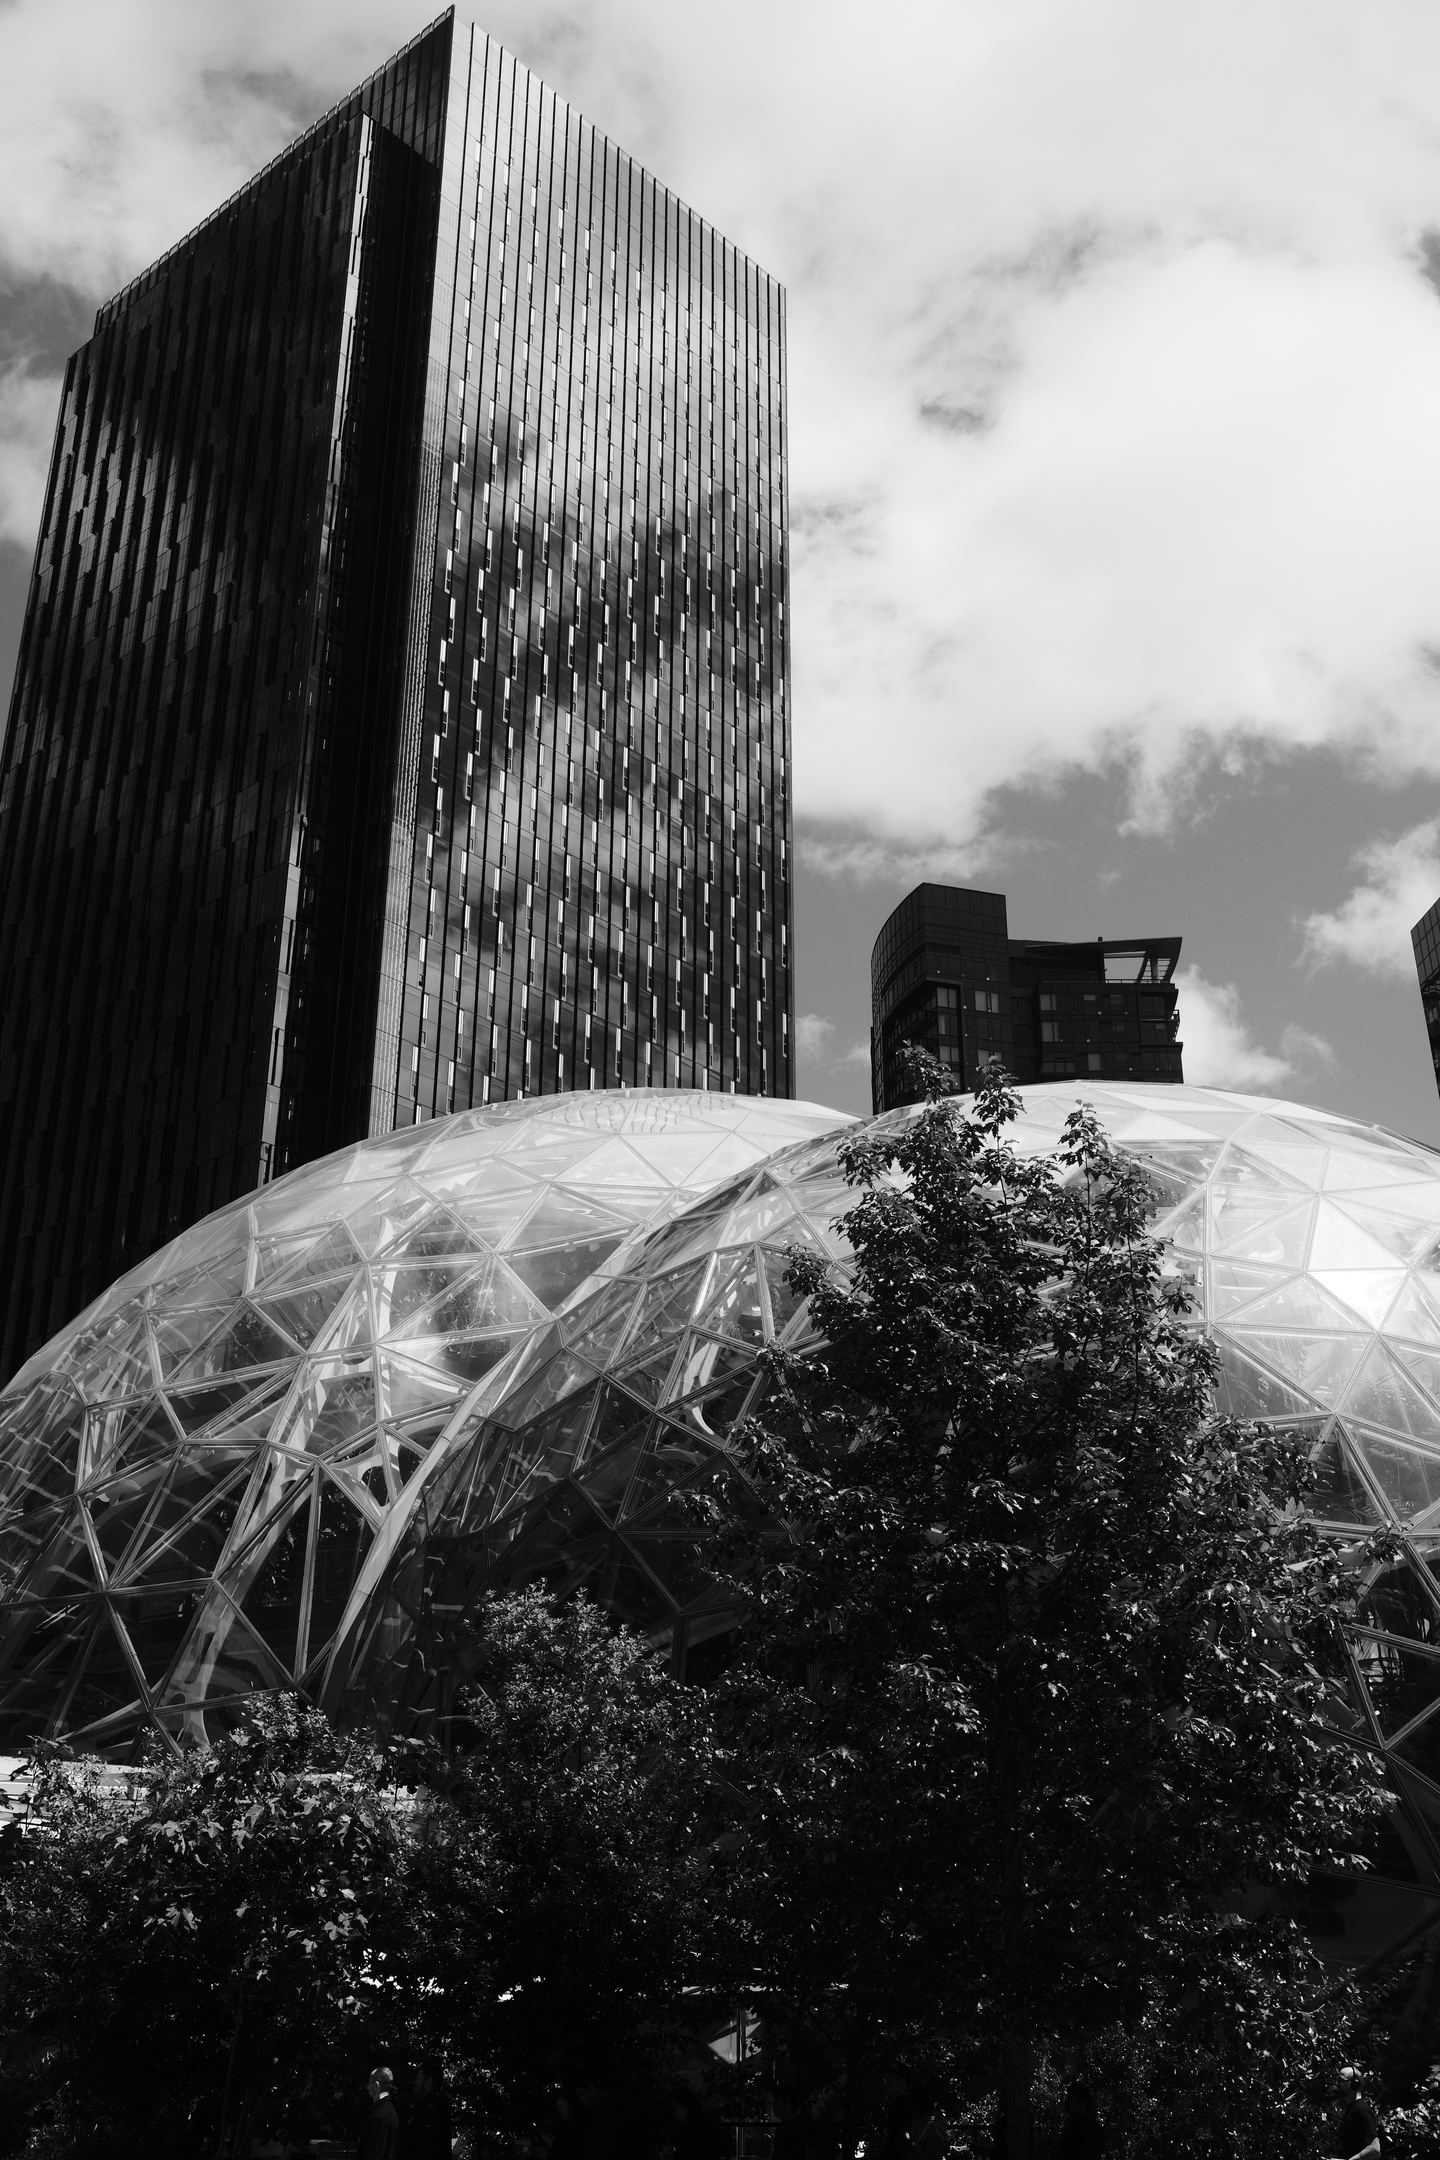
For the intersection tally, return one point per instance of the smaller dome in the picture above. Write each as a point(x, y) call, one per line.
point(199, 1473)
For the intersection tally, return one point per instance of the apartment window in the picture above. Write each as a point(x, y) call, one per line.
point(987, 1001)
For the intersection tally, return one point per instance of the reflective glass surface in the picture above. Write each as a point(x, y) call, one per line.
point(204, 1480)
point(401, 721)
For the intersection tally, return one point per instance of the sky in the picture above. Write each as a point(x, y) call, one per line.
point(1114, 377)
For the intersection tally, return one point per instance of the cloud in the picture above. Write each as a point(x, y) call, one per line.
point(1220, 1050)
point(1115, 382)
point(1371, 928)
point(814, 1035)
point(27, 423)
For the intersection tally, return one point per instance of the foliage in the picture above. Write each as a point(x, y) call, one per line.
point(556, 1888)
point(1036, 1677)
point(183, 1944)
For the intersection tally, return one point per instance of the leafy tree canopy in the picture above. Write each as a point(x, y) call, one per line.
point(1036, 1677)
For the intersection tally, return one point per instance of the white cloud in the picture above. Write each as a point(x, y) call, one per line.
point(1372, 926)
point(1220, 1050)
point(27, 423)
point(814, 1036)
point(1115, 389)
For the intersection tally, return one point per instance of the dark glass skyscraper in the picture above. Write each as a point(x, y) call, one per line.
point(1425, 938)
point(945, 974)
point(401, 717)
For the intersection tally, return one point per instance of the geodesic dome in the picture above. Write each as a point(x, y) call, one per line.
point(1313, 1246)
point(300, 1444)
point(206, 1472)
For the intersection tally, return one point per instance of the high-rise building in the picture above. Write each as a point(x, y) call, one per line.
point(400, 721)
point(946, 975)
point(1425, 938)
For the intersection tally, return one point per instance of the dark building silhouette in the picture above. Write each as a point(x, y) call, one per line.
point(1425, 938)
point(400, 721)
point(945, 974)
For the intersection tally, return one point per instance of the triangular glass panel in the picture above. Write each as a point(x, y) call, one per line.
point(129, 1440)
point(560, 1375)
point(1320, 1366)
point(731, 1303)
point(1243, 1233)
point(667, 1304)
point(179, 1335)
point(1186, 1229)
point(711, 1416)
point(770, 1215)
point(1423, 1366)
point(238, 1662)
point(1420, 1749)
point(1414, 1315)
point(1415, 1202)
point(247, 1341)
point(605, 1479)
point(554, 1275)
point(690, 1234)
point(1251, 1176)
point(1297, 1302)
point(1381, 1394)
point(618, 1417)
point(467, 1358)
point(342, 1537)
point(1401, 1600)
point(194, 1408)
point(272, 1602)
point(336, 1253)
point(1246, 1390)
point(710, 1362)
point(1401, 1681)
point(1340, 1494)
point(1398, 1237)
point(1234, 1284)
point(190, 1547)
point(120, 1365)
point(415, 1389)
point(564, 1532)
point(561, 1218)
point(616, 1164)
point(1169, 1189)
point(378, 1220)
point(405, 1291)
point(594, 1326)
point(685, 1157)
point(1351, 1168)
point(453, 1232)
point(333, 1414)
point(670, 1462)
point(1370, 1292)
point(303, 1311)
point(648, 1379)
point(1408, 1477)
point(1268, 1142)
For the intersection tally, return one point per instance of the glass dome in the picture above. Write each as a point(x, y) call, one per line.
point(300, 1443)
point(1312, 1241)
point(201, 1472)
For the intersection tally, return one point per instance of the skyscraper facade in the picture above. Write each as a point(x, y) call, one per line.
point(946, 975)
point(401, 715)
point(1425, 939)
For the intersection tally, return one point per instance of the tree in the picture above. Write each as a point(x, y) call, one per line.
point(556, 1887)
point(181, 1946)
point(1035, 1678)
